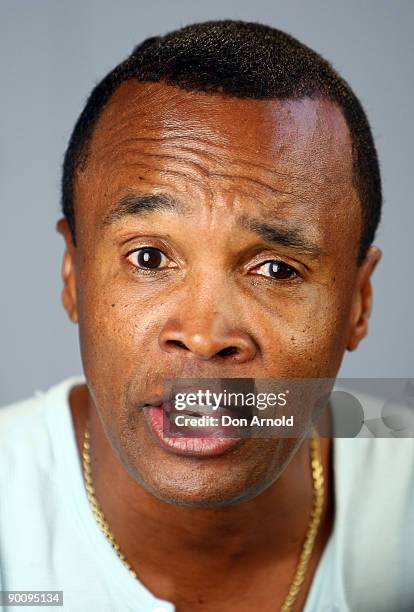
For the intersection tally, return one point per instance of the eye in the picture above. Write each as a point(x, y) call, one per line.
point(279, 270)
point(148, 258)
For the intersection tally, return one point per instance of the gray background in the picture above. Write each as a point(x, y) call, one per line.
point(52, 53)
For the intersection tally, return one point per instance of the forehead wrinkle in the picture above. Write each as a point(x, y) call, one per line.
point(256, 186)
point(166, 172)
point(282, 233)
point(199, 167)
point(129, 182)
point(300, 186)
point(233, 178)
point(216, 155)
point(206, 172)
point(273, 191)
point(200, 140)
point(166, 109)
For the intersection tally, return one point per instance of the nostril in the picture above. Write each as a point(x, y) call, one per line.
point(229, 350)
point(177, 343)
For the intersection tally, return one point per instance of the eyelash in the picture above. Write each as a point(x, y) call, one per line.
point(157, 270)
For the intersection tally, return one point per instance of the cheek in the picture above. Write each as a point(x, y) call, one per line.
point(106, 338)
point(307, 336)
point(117, 328)
point(103, 338)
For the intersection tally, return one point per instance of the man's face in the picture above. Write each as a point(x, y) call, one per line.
point(217, 238)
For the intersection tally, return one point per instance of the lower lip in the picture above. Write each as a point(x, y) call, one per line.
point(198, 447)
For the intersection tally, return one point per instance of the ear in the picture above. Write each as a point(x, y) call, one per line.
point(68, 271)
point(362, 302)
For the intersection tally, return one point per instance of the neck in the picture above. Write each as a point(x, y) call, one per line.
point(268, 529)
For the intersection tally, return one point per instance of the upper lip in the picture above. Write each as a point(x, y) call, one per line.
point(167, 398)
point(167, 403)
point(154, 401)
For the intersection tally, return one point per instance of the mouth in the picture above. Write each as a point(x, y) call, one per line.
point(195, 431)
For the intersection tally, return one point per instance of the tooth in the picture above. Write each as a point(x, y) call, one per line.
point(190, 416)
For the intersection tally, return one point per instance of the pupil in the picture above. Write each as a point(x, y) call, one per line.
point(280, 270)
point(149, 258)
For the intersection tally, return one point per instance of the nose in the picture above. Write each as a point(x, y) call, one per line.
point(206, 336)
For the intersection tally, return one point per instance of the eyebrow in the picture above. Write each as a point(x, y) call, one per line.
point(134, 204)
point(280, 235)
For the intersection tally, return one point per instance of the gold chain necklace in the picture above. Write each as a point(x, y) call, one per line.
point(311, 532)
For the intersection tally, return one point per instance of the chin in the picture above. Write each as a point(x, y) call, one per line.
point(206, 486)
point(205, 498)
point(236, 476)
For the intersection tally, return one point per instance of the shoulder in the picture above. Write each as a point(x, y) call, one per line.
point(375, 465)
point(374, 534)
point(36, 454)
point(374, 478)
point(26, 428)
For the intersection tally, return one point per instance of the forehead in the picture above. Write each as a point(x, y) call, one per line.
point(291, 152)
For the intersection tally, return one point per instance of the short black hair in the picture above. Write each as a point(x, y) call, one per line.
point(243, 60)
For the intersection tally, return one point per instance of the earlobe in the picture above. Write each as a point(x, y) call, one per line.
point(362, 305)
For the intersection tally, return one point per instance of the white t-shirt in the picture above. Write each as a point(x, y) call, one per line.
point(49, 539)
